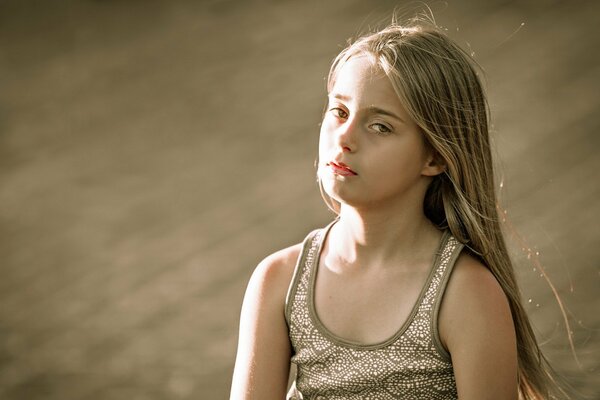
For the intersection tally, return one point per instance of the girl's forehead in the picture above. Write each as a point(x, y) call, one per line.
point(359, 68)
point(359, 78)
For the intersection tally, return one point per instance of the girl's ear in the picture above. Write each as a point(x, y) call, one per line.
point(434, 164)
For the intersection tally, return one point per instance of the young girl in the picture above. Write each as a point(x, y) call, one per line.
point(410, 292)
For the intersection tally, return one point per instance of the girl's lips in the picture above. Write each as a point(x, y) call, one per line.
point(341, 169)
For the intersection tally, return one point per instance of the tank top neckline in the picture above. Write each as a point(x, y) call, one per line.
point(314, 267)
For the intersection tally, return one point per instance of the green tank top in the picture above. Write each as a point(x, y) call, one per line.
point(412, 364)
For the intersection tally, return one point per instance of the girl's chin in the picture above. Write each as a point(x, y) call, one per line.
point(342, 196)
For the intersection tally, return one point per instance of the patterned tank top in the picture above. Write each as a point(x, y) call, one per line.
point(412, 364)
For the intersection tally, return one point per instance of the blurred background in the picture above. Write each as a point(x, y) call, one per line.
point(153, 152)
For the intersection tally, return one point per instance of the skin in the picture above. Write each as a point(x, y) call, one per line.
point(381, 248)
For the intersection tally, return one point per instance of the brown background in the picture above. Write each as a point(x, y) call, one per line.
point(152, 152)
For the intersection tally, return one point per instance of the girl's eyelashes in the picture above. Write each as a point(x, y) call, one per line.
point(381, 128)
point(339, 112)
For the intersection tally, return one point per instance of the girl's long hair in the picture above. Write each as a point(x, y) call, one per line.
point(438, 84)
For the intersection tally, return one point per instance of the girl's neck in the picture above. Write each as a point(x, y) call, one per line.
point(378, 238)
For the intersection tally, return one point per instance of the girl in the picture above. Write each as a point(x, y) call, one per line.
point(410, 292)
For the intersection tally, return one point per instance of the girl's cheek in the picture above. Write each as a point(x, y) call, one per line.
point(324, 132)
point(324, 147)
point(322, 143)
point(328, 128)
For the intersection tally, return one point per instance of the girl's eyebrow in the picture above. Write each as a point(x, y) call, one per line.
point(377, 110)
point(372, 109)
point(340, 96)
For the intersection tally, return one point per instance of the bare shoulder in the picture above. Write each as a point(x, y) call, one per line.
point(472, 279)
point(262, 361)
point(274, 273)
point(473, 298)
point(280, 264)
point(476, 327)
point(282, 259)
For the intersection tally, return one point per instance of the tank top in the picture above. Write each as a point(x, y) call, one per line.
point(412, 364)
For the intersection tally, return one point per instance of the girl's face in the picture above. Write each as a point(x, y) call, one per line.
point(370, 151)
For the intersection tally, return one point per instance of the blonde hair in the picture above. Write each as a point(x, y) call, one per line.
point(438, 84)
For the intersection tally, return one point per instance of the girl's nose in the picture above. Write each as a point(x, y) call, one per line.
point(346, 138)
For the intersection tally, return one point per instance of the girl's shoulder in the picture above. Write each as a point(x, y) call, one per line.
point(473, 304)
point(472, 284)
point(477, 330)
point(281, 262)
point(272, 276)
point(472, 276)
point(275, 271)
point(262, 361)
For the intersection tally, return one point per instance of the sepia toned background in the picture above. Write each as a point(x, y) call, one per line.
point(153, 152)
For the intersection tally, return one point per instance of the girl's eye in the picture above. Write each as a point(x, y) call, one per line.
point(338, 112)
point(381, 129)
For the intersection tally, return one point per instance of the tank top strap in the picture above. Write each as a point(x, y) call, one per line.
point(445, 260)
point(309, 246)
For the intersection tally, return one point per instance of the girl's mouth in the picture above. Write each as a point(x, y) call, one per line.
point(341, 169)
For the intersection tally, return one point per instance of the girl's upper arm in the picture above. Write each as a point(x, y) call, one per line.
point(264, 350)
point(477, 328)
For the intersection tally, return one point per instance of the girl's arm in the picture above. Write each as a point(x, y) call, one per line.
point(264, 350)
point(476, 327)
